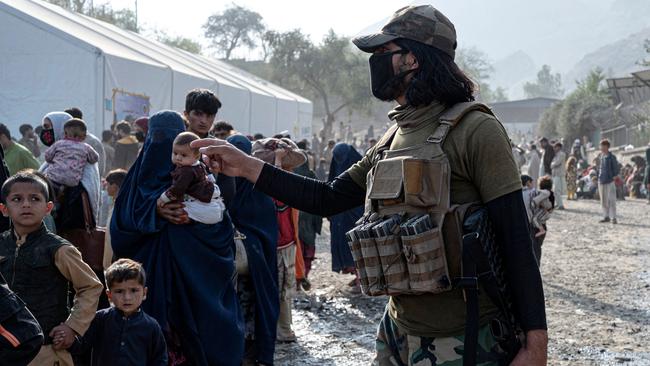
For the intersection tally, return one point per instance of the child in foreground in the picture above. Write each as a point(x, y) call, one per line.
point(39, 266)
point(123, 334)
point(67, 158)
point(191, 184)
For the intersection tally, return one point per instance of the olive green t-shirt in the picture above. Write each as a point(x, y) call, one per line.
point(482, 169)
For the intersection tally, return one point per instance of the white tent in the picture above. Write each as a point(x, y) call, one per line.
point(52, 59)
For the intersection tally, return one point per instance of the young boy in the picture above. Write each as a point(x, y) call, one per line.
point(608, 171)
point(39, 266)
point(123, 334)
point(114, 181)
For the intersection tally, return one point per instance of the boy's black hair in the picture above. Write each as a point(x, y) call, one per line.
point(5, 131)
point(258, 136)
point(525, 179)
point(438, 77)
point(75, 112)
point(24, 128)
point(116, 177)
point(203, 100)
point(302, 144)
point(545, 182)
point(50, 188)
point(123, 126)
point(107, 136)
point(222, 126)
point(24, 177)
point(533, 147)
point(123, 270)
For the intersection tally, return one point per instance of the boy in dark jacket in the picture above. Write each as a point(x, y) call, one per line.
point(123, 334)
point(39, 266)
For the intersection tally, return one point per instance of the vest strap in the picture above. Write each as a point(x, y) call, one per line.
point(452, 116)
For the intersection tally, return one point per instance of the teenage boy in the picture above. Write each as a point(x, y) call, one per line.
point(126, 147)
point(201, 107)
point(608, 171)
point(111, 343)
point(39, 266)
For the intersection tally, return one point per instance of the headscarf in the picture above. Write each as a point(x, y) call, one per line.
point(253, 214)
point(58, 119)
point(143, 123)
point(189, 267)
point(90, 179)
point(343, 157)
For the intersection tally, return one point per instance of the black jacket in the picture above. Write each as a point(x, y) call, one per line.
point(118, 340)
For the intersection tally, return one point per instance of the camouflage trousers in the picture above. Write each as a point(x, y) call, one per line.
point(395, 348)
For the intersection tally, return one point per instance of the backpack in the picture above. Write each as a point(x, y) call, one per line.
point(21, 336)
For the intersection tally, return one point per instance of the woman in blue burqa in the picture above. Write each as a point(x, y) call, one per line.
point(343, 157)
point(253, 214)
point(190, 268)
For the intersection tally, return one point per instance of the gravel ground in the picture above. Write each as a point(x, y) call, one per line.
point(596, 280)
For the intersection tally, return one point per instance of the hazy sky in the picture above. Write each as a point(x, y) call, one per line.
point(313, 17)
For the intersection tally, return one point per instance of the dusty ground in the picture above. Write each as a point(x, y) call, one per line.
point(596, 279)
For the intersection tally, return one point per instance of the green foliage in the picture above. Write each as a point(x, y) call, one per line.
point(475, 64)
point(123, 18)
point(582, 112)
point(548, 85)
point(330, 72)
point(179, 42)
point(233, 28)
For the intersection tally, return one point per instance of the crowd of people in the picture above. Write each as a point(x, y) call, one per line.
point(179, 288)
point(553, 171)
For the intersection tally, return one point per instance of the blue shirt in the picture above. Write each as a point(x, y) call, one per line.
point(608, 168)
point(118, 340)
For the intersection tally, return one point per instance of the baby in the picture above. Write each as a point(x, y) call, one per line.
point(67, 158)
point(190, 184)
point(539, 202)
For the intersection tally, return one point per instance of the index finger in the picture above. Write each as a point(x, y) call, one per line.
point(207, 142)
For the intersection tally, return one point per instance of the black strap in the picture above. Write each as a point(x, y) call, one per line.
point(469, 283)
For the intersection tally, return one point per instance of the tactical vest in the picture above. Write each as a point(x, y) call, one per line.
point(31, 273)
point(409, 239)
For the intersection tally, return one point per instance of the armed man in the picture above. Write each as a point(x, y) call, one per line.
point(445, 161)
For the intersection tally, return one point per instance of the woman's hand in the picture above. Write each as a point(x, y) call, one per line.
point(173, 212)
point(222, 157)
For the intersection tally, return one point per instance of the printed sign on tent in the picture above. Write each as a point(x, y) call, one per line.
point(129, 106)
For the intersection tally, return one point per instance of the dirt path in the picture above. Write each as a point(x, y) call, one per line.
point(596, 280)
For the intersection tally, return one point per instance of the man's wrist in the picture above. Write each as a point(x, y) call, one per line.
point(253, 169)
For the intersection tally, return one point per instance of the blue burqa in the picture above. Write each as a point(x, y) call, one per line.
point(190, 268)
point(343, 157)
point(253, 214)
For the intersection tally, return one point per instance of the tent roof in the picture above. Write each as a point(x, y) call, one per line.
point(101, 37)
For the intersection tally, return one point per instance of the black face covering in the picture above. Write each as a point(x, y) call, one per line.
point(383, 81)
point(47, 136)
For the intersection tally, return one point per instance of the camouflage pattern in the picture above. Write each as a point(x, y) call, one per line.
point(422, 23)
point(395, 348)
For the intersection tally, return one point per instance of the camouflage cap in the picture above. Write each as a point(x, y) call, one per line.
point(422, 23)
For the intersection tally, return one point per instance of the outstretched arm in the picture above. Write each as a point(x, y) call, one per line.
point(310, 195)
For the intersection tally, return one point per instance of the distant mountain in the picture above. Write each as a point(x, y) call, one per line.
point(554, 32)
point(511, 71)
point(616, 59)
